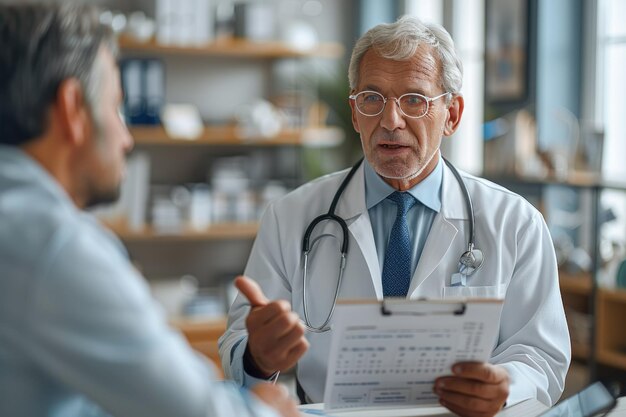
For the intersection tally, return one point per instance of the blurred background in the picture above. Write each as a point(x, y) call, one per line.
point(235, 103)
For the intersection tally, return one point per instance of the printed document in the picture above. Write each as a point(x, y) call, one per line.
point(388, 354)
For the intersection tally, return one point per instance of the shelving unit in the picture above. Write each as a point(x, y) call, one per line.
point(583, 299)
point(156, 139)
point(221, 249)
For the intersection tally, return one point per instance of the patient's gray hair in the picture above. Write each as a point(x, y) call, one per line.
point(41, 45)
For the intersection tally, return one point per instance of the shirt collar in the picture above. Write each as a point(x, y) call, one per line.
point(17, 165)
point(427, 192)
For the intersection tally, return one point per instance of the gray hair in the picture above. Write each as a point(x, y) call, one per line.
point(399, 41)
point(41, 45)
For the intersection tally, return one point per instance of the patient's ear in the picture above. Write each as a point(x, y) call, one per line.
point(455, 111)
point(72, 111)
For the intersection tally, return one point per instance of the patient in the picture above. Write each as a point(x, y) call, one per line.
point(79, 332)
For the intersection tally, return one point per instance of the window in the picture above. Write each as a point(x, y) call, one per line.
point(611, 86)
point(464, 19)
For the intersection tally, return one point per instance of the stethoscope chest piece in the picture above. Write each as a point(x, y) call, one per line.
point(470, 261)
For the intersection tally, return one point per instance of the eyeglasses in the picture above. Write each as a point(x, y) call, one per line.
point(413, 105)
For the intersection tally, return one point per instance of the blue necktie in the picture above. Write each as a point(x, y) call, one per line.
point(397, 264)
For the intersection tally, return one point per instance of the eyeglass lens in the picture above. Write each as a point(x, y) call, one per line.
point(371, 103)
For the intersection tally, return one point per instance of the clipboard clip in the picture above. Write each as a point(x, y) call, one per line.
point(386, 311)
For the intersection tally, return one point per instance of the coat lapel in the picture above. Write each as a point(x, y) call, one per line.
point(443, 231)
point(440, 238)
point(351, 207)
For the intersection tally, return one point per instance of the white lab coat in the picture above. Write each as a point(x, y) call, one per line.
point(520, 265)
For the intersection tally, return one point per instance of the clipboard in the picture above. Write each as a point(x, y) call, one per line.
point(389, 353)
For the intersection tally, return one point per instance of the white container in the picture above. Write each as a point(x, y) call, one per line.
point(200, 208)
point(245, 207)
point(174, 294)
point(221, 207)
point(166, 20)
point(166, 217)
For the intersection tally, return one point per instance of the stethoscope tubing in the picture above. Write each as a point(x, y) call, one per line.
point(331, 216)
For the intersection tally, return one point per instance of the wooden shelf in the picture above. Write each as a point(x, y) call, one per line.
point(614, 295)
point(228, 136)
point(575, 284)
point(610, 358)
point(220, 231)
point(235, 48)
point(575, 179)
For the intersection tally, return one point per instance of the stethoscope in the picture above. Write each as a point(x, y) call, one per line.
point(469, 262)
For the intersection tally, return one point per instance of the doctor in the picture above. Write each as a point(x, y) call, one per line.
point(409, 233)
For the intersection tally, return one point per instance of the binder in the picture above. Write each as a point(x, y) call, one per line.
point(389, 353)
point(143, 83)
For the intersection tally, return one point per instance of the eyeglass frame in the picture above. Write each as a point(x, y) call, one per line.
point(427, 99)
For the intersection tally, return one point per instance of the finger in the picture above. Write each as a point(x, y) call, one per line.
point(279, 354)
point(284, 361)
point(480, 371)
point(261, 316)
point(466, 403)
point(470, 387)
point(296, 353)
point(251, 290)
point(286, 325)
point(289, 341)
point(267, 343)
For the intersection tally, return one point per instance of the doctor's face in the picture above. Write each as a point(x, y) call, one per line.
point(404, 150)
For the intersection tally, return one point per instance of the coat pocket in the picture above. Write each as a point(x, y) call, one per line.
point(490, 291)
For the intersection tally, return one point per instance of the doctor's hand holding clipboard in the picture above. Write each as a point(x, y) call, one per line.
point(474, 389)
point(275, 333)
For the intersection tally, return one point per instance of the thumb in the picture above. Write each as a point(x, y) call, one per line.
point(251, 290)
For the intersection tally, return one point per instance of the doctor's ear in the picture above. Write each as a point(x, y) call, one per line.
point(455, 111)
point(355, 123)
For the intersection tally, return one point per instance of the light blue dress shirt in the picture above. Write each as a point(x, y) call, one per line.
point(420, 217)
point(80, 334)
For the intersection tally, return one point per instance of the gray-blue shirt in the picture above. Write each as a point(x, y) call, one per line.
point(79, 331)
point(420, 217)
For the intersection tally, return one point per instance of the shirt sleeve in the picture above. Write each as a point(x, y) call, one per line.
point(534, 345)
point(92, 325)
